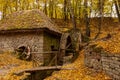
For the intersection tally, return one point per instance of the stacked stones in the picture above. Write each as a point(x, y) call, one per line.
point(102, 60)
point(111, 65)
point(93, 58)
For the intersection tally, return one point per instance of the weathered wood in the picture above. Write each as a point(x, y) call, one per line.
point(70, 40)
point(54, 59)
point(42, 69)
point(76, 38)
point(36, 59)
point(63, 40)
point(47, 52)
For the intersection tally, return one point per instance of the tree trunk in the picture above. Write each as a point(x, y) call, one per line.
point(45, 8)
point(119, 3)
point(100, 17)
point(76, 8)
point(79, 9)
point(65, 10)
point(72, 14)
point(87, 19)
point(5, 9)
point(111, 10)
point(16, 5)
point(37, 1)
point(51, 8)
point(91, 8)
point(117, 10)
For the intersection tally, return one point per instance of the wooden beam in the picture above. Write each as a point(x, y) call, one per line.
point(42, 69)
point(47, 52)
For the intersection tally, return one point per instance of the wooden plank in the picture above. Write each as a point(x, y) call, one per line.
point(54, 59)
point(42, 68)
point(49, 52)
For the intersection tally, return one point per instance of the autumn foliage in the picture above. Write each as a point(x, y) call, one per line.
point(9, 64)
point(80, 72)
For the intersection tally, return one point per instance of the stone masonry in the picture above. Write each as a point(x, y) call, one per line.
point(103, 61)
point(9, 42)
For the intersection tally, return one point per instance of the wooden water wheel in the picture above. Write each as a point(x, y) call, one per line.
point(69, 43)
point(23, 52)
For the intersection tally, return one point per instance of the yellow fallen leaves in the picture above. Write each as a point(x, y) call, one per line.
point(10, 63)
point(10, 76)
point(111, 45)
point(80, 73)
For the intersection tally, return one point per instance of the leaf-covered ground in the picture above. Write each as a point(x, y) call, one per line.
point(80, 73)
point(10, 64)
point(111, 44)
point(109, 26)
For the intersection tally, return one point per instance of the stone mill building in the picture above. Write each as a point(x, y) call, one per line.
point(29, 28)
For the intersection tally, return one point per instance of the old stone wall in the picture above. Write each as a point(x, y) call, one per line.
point(111, 65)
point(39, 42)
point(92, 62)
point(101, 60)
point(9, 42)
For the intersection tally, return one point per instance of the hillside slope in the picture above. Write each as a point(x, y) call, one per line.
point(80, 73)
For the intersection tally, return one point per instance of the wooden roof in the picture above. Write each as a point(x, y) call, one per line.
point(27, 19)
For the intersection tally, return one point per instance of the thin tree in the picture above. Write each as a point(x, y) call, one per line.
point(117, 9)
point(72, 13)
point(87, 19)
point(65, 10)
point(51, 3)
point(37, 2)
point(118, 3)
point(45, 7)
point(16, 5)
point(100, 18)
point(5, 6)
point(79, 9)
